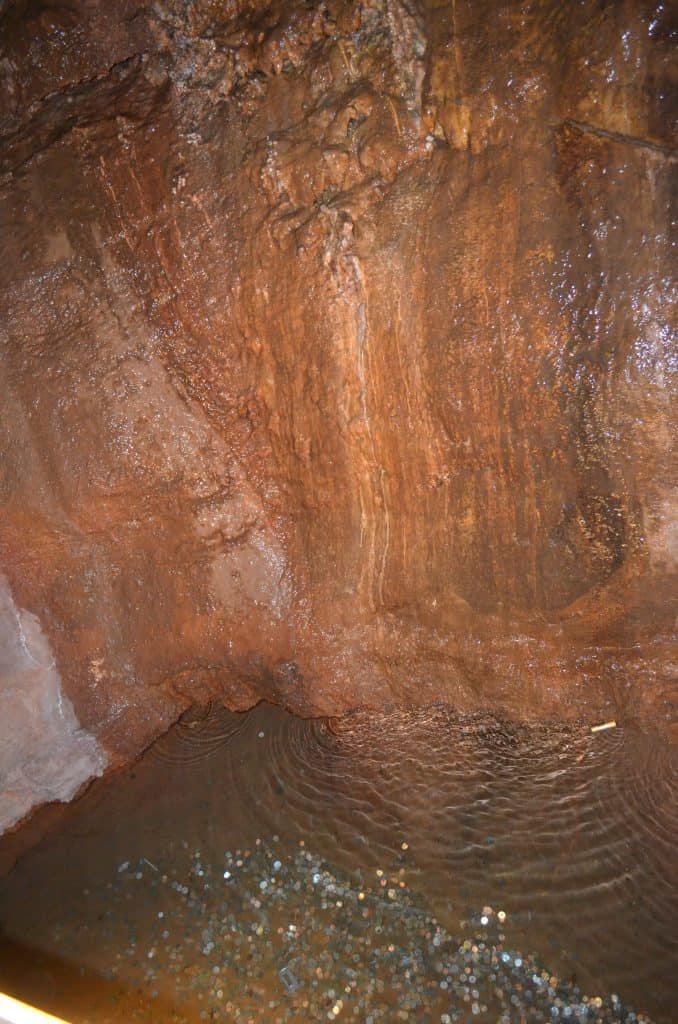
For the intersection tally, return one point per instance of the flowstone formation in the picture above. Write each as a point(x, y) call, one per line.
point(336, 354)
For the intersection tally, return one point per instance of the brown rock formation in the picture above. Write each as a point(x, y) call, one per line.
point(336, 355)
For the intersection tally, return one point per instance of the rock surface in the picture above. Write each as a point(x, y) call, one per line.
point(336, 354)
point(44, 754)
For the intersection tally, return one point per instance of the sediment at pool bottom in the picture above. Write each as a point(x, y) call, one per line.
point(265, 936)
point(417, 865)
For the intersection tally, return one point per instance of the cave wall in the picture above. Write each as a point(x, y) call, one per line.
point(44, 754)
point(336, 354)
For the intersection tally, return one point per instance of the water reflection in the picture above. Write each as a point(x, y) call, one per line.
point(573, 836)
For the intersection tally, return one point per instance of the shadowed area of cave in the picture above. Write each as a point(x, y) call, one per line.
point(338, 372)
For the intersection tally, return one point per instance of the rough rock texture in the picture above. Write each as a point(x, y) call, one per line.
point(44, 754)
point(336, 358)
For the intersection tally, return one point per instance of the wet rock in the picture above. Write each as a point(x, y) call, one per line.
point(44, 753)
point(336, 355)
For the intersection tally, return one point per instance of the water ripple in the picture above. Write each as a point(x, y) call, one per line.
point(573, 835)
point(199, 734)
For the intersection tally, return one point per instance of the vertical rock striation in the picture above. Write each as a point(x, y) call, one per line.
point(336, 353)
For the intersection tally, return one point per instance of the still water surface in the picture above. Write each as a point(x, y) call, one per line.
point(410, 865)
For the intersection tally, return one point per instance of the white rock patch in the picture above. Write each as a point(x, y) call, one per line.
point(44, 753)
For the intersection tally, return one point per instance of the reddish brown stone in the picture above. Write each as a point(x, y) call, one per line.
point(336, 354)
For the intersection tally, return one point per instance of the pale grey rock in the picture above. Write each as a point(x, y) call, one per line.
point(44, 753)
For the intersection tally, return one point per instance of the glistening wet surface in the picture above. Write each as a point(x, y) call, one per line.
point(408, 865)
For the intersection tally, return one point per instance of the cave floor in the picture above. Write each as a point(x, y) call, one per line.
point(408, 865)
